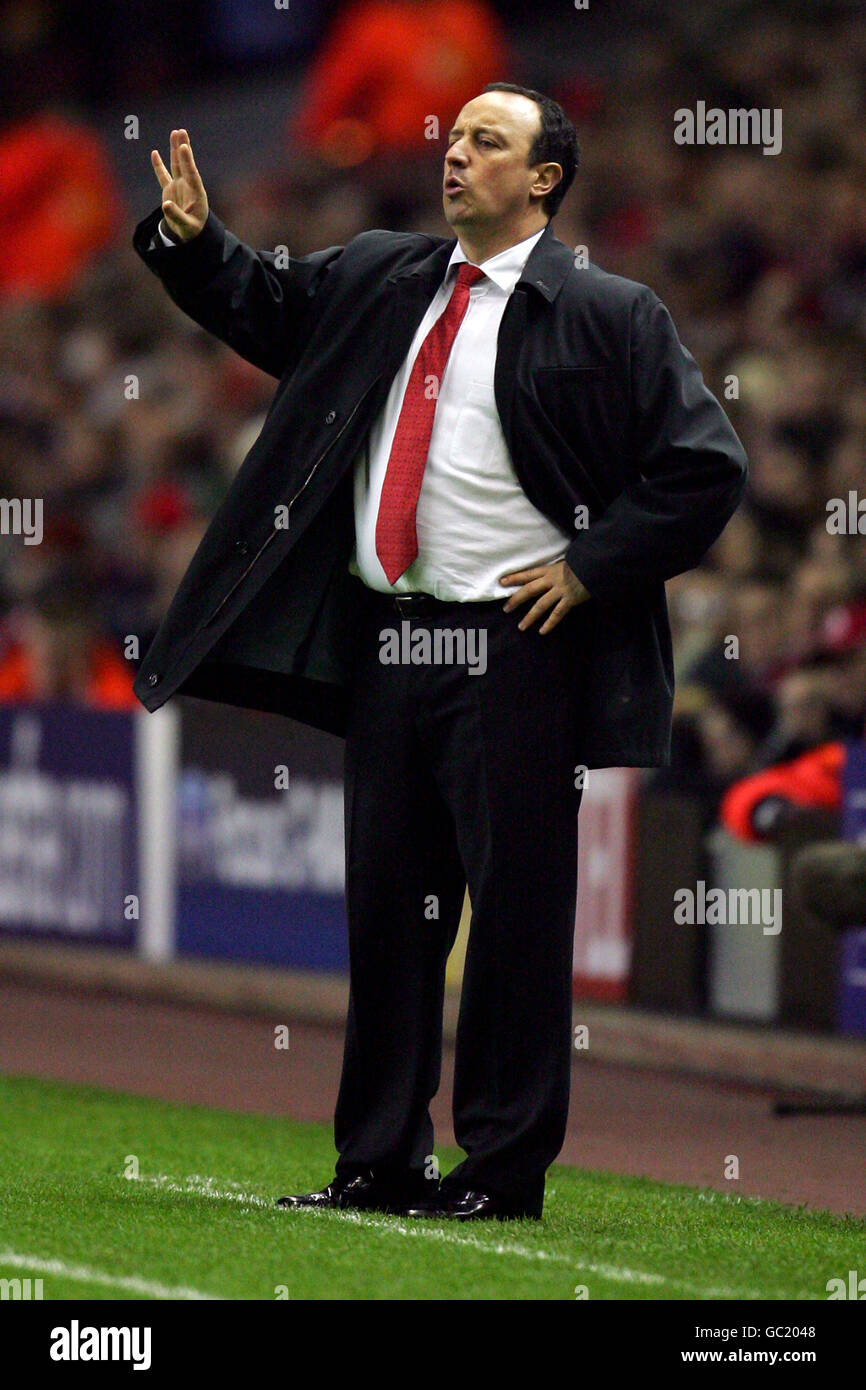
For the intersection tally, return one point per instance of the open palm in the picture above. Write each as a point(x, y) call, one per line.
point(184, 201)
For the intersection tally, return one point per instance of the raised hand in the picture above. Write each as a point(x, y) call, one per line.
point(184, 201)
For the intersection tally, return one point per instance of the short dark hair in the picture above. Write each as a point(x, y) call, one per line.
point(556, 141)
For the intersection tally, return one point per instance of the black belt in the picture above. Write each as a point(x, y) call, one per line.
point(418, 605)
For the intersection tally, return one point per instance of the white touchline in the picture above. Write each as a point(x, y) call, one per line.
point(616, 1273)
point(81, 1274)
point(197, 1185)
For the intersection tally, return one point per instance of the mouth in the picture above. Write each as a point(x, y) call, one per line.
point(452, 187)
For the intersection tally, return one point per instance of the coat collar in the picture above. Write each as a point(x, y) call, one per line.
point(546, 267)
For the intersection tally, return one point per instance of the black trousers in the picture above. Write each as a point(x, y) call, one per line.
point(456, 779)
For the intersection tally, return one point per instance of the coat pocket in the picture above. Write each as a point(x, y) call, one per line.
point(567, 393)
point(588, 409)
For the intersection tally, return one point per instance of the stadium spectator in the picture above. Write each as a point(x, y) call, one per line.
point(387, 67)
point(56, 653)
point(60, 205)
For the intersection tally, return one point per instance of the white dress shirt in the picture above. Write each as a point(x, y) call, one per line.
point(473, 520)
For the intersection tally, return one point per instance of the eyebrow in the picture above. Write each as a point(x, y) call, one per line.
point(481, 130)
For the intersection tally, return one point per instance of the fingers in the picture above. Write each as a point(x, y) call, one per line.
point(183, 183)
point(556, 617)
point(174, 141)
point(159, 169)
point(550, 599)
point(535, 586)
point(521, 576)
point(180, 222)
point(178, 139)
point(188, 166)
point(183, 165)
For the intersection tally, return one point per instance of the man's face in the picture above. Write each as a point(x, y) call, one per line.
point(487, 177)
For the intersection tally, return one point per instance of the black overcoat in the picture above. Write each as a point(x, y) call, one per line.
point(602, 409)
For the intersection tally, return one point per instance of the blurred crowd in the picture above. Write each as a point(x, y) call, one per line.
point(129, 421)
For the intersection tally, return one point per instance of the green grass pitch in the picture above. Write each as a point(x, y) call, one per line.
point(108, 1196)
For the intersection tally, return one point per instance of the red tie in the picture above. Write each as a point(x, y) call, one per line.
point(396, 538)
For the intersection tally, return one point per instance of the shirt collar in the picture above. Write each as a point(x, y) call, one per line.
point(505, 268)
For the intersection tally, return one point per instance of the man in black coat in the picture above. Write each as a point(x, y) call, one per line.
point(448, 546)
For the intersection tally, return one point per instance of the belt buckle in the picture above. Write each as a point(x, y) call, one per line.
point(405, 602)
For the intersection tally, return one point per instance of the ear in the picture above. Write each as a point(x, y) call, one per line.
point(546, 179)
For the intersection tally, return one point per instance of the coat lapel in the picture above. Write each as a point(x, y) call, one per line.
point(412, 288)
point(410, 291)
point(547, 266)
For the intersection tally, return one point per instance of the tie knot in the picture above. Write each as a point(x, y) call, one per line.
point(469, 275)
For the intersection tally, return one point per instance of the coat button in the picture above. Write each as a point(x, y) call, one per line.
point(330, 417)
point(153, 678)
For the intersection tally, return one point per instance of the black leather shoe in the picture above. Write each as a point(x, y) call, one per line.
point(469, 1206)
point(363, 1192)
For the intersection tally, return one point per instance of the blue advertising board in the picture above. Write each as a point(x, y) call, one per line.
point(851, 1015)
point(260, 857)
point(68, 835)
